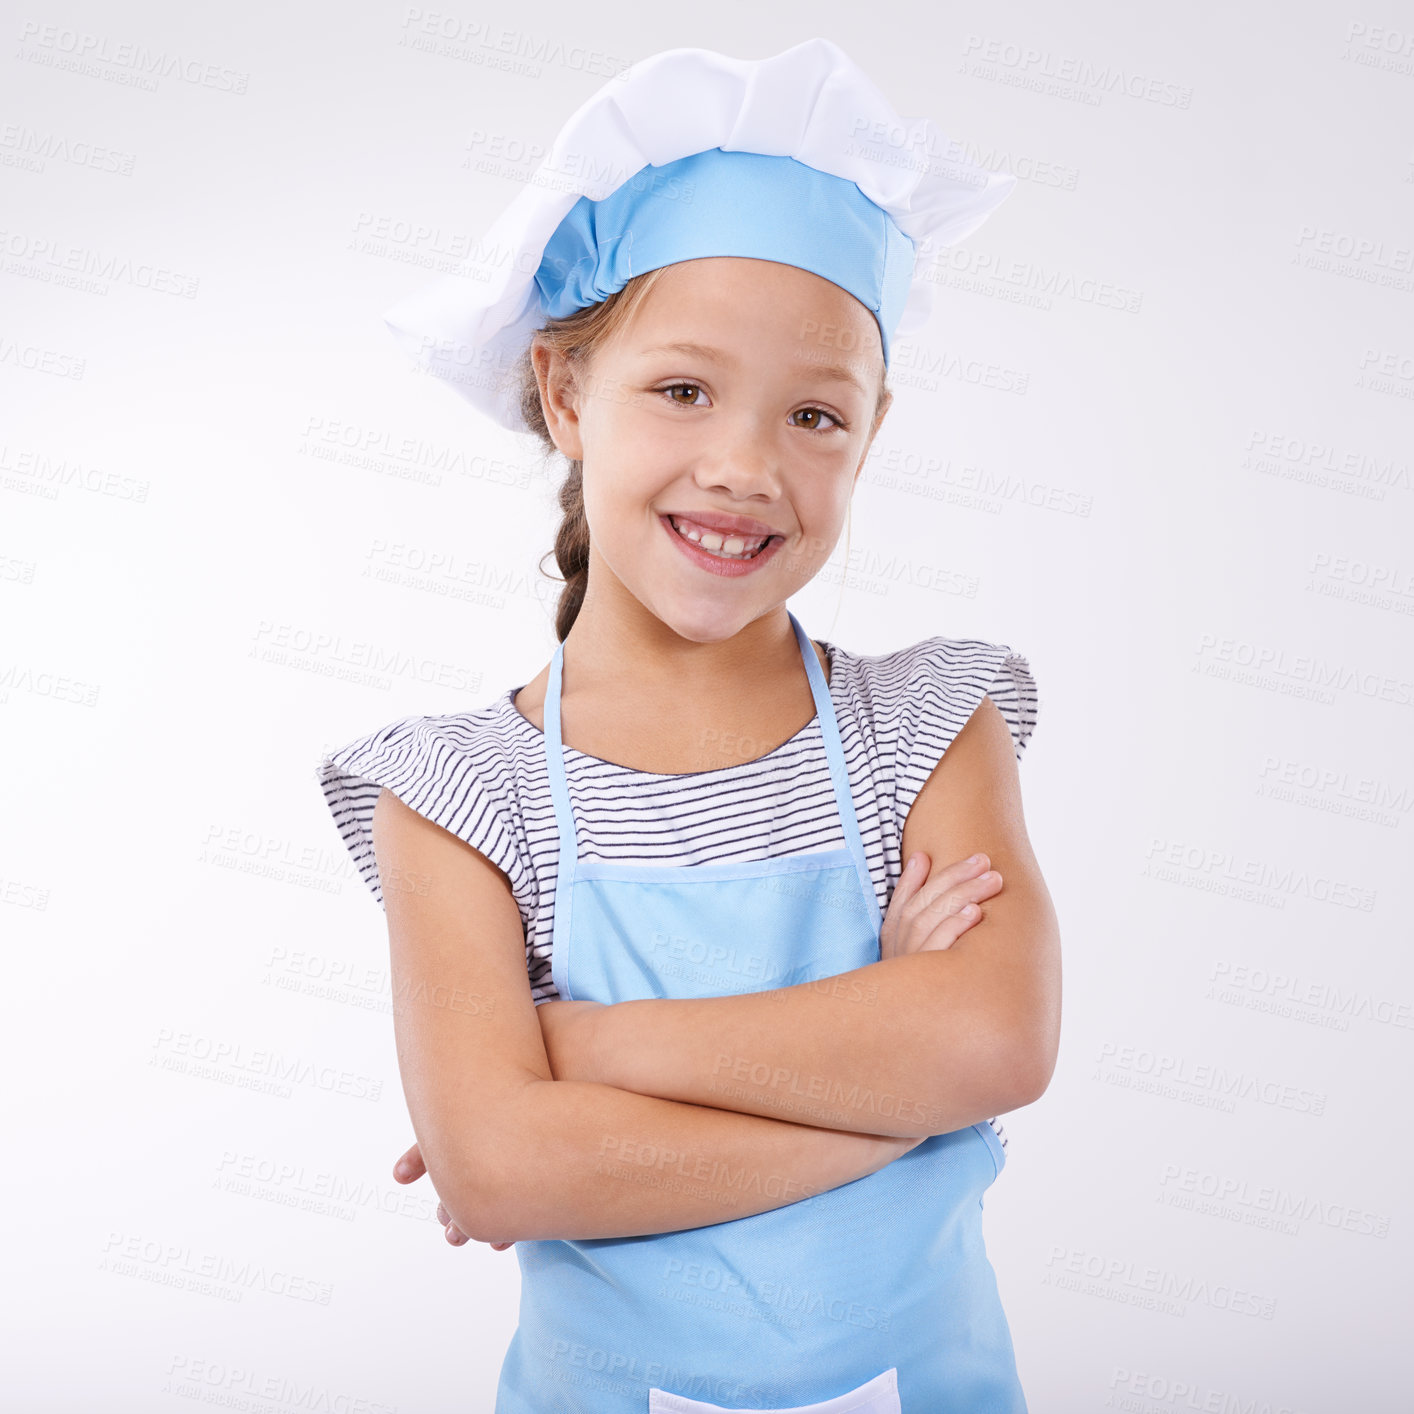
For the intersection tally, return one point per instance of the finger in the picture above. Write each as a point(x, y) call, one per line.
point(410, 1167)
point(453, 1233)
point(915, 900)
point(914, 876)
point(977, 890)
point(959, 905)
point(946, 931)
point(954, 913)
point(953, 888)
point(940, 879)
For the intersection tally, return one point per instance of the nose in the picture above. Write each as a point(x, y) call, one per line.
point(740, 462)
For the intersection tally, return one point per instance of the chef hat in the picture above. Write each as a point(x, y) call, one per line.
point(797, 158)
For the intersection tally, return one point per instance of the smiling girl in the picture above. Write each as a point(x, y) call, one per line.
point(673, 1018)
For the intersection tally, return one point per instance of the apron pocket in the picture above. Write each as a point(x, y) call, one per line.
point(877, 1396)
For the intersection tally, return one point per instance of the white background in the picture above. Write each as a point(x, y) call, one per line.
point(1192, 512)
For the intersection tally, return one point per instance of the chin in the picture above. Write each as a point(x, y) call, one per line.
point(705, 622)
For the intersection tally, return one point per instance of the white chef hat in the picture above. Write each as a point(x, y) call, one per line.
point(797, 158)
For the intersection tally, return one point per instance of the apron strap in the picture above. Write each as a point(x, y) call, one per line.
point(559, 788)
point(834, 753)
point(839, 774)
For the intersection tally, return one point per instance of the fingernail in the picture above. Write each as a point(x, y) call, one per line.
point(974, 859)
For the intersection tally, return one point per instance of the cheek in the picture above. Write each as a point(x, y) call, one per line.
point(821, 520)
point(617, 496)
point(823, 498)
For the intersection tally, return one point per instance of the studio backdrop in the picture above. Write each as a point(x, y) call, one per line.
point(1157, 436)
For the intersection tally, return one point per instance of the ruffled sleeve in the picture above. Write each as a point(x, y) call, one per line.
point(445, 768)
point(947, 679)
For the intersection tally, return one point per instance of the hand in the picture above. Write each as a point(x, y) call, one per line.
point(409, 1169)
point(930, 911)
point(568, 1030)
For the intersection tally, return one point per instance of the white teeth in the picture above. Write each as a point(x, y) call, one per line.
point(735, 548)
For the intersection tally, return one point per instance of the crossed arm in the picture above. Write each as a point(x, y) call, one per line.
point(909, 1046)
point(759, 1099)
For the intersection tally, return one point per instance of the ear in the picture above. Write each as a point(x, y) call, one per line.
point(558, 394)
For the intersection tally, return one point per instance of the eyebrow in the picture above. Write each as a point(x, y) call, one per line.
point(832, 372)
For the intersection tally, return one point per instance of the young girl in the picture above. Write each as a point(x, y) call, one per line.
point(670, 1017)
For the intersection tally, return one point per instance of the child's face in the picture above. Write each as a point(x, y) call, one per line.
point(762, 430)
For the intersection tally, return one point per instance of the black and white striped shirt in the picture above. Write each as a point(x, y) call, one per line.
point(481, 775)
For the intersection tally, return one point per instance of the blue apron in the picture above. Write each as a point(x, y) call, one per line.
point(875, 1297)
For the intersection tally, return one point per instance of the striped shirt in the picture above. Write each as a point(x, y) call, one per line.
point(481, 775)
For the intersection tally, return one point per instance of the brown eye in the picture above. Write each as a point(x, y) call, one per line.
point(819, 413)
point(673, 388)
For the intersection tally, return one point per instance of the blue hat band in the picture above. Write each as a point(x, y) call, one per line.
point(720, 202)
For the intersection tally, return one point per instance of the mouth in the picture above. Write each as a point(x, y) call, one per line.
point(728, 546)
point(725, 553)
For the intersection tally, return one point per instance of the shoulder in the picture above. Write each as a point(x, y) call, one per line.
point(414, 750)
point(439, 765)
point(913, 703)
point(919, 697)
point(456, 769)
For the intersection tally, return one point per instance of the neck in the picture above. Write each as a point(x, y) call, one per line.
point(616, 640)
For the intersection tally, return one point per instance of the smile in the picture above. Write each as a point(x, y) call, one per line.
point(728, 555)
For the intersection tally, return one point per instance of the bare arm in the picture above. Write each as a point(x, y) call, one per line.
point(517, 1155)
point(590, 1160)
point(914, 1045)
